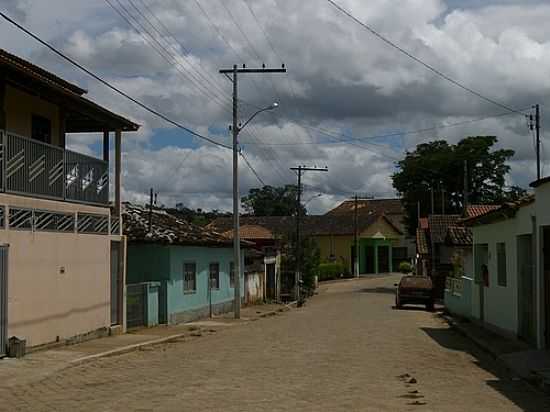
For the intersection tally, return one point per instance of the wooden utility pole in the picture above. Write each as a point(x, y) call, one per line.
point(297, 274)
point(355, 240)
point(537, 129)
point(465, 194)
point(236, 128)
point(151, 211)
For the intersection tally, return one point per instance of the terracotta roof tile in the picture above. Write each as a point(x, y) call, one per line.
point(251, 232)
point(439, 225)
point(478, 210)
point(459, 236)
point(422, 242)
point(166, 228)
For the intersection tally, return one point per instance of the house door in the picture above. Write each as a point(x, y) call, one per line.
point(116, 284)
point(526, 295)
point(3, 299)
point(546, 267)
point(271, 289)
point(369, 260)
point(481, 259)
point(383, 259)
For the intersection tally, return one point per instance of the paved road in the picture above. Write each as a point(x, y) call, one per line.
point(347, 350)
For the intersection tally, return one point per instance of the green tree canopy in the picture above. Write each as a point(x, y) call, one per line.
point(272, 201)
point(439, 165)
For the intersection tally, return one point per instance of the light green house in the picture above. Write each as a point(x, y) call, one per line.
point(192, 265)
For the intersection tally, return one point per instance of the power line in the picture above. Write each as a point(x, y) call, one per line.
point(255, 52)
point(420, 61)
point(252, 169)
point(110, 86)
point(380, 136)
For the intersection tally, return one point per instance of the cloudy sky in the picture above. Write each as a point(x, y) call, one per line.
point(344, 87)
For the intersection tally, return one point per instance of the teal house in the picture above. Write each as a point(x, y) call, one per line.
point(190, 267)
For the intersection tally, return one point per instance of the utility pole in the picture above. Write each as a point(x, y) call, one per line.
point(151, 211)
point(300, 170)
point(465, 195)
point(537, 129)
point(432, 197)
point(442, 201)
point(236, 128)
point(355, 237)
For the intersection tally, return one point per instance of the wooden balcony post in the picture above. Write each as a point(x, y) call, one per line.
point(118, 175)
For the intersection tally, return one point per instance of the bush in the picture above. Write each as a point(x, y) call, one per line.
point(329, 271)
point(405, 267)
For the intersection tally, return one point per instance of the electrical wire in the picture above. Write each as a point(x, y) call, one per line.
point(110, 86)
point(420, 61)
point(252, 169)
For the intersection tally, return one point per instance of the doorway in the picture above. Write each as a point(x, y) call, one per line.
point(116, 283)
point(546, 268)
point(383, 259)
point(526, 290)
point(370, 266)
point(481, 261)
point(270, 289)
point(3, 299)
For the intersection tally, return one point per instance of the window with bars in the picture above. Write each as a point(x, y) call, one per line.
point(214, 275)
point(231, 274)
point(189, 277)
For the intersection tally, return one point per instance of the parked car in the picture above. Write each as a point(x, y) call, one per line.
point(415, 290)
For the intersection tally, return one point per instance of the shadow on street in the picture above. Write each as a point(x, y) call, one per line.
point(517, 391)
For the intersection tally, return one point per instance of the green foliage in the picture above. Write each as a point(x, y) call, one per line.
point(328, 271)
point(272, 201)
point(405, 267)
point(310, 259)
point(440, 165)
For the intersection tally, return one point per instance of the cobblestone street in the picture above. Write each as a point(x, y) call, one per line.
point(347, 350)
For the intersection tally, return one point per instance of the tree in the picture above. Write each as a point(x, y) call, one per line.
point(439, 167)
point(272, 201)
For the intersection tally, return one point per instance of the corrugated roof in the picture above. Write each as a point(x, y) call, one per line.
point(459, 236)
point(439, 225)
point(167, 229)
point(422, 242)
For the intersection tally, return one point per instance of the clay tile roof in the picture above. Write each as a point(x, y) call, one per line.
point(167, 229)
point(422, 242)
point(366, 206)
point(504, 211)
point(478, 210)
point(251, 232)
point(423, 223)
point(439, 225)
point(459, 236)
point(38, 72)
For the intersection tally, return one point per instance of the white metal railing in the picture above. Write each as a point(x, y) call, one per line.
point(31, 167)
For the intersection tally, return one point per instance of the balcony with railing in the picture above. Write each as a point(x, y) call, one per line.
point(32, 168)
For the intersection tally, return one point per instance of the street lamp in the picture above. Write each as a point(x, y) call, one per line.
point(236, 225)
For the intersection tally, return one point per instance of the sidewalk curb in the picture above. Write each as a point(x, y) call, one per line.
point(149, 343)
point(478, 342)
point(125, 349)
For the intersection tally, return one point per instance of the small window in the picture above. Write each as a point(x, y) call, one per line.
point(501, 264)
point(41, 129)
point(214, 275)
point(231, 275)
point(189, 277)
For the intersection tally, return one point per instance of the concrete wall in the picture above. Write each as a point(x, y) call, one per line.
point(460, 302)
point(501, 302)
point(20, 106)
point(542, 195)
point(58, 283)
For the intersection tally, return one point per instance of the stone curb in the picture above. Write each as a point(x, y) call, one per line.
point(138, 346)
point(125, 349)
